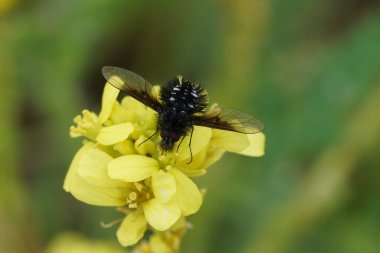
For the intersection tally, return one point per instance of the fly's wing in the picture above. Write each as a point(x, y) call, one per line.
point(230, 120)
point(132, 84)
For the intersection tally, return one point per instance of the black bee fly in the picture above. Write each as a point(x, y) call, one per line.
point(180, 105)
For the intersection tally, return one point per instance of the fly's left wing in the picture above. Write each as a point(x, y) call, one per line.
point(229, 120)
point(132, 84)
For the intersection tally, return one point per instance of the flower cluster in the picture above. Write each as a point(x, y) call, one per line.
point(118, 167)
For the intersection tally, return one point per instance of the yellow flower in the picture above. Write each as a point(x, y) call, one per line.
point(154, 196)
point(117, 166)
point(97, 128)
point(69, 242)
point(168, 242)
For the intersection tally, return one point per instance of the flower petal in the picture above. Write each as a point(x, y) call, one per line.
point(163, 186)
point(132, 168)
point(110, 94)
point(131, 104)
point(74, 242)
point(126, 147)
point(95, 195)
point(187, 196)
point(230, 141)
point(131, 229)
point(115, 133)
point(196, 167)
point(161, 216)
point(92, 167)
point(200, 139)
point(256, 145)
point(145, 146)
point(213, 155)
point(193, 173)
point(158, 245)
point(85, 125)
point(74, 164)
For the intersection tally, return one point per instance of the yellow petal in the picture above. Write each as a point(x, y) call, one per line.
point(200, 139)
point(74, 164)
point(137, 132)
point(149, 119)
point(74, 242)
point(92, 167)
point(96, 195)
point(230, 141)
point(110, 94)
point(161, 216)
point(126, 147)
point(195, 168)
point(115, 133)
point(143, 146)
point(131, 104)
point(187, 196)
point(213, 155)
point(256, 145)
point(193, 173)
point(132, 168)
point(85, 125)
point(131, 229)
point(180, 225)
point(163, 186)
point(118, 114)
point(158, 245)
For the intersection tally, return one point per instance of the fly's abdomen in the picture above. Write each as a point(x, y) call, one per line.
point(173, 121)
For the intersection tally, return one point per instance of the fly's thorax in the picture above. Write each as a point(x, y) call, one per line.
point(184, 96)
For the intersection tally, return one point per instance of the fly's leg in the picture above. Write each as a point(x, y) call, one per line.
point(191, 153)
point(148, 138)
point(180, 142)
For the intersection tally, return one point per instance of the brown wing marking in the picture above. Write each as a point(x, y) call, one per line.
point(230, 120)
point(132, 84)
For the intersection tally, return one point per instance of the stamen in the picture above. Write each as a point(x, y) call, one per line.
point(132, 196)
point(110, 224)
point(133, 205)
point(139, 186)
point(122, 209)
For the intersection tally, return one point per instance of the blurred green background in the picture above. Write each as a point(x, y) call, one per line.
point(310, 70)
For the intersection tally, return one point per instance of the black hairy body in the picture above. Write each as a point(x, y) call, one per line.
point(180, 100)
point(181, 105)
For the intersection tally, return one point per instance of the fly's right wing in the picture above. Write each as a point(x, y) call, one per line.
point(230, 120)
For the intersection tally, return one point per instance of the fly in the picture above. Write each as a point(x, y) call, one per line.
point(180, 105)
